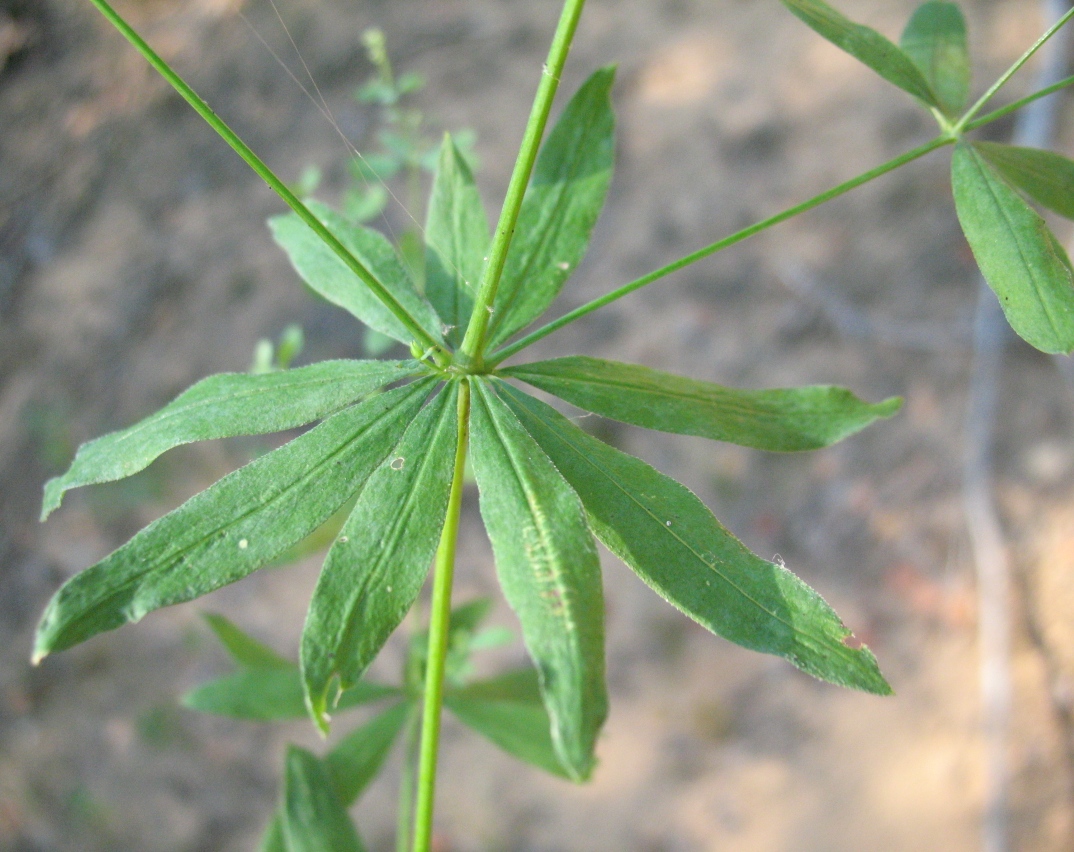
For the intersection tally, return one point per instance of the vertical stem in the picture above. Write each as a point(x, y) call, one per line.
point(406, 783)
point(439, 628)
point(474, 342)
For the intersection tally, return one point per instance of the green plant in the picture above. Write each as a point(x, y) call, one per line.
point(396, 435)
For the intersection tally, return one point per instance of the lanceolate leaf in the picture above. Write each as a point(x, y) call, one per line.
point(223, 406)
point(269, 694)
point(315, 820)
point(456, 241)
point(783, 419)
point(935, 40)
point(508, 711)
point(1046, 177)
point(235, 526)
point(243, 648)
point(548, 568)
point(673, 542)
point(1019, 256)
point(377, 566)
point(866, 45)
point(564, 199)
point(351, 765)
point(323, 271)
point(358, 757)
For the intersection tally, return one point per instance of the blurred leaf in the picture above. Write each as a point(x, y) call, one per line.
point(462, 642)
point(307, 182)
point(270, 694)
point(935, 41)
point(562, 203)
point(410, 82)
point(456, 241)
point(547, 564)
point(508, 711)
point(359, 756)
point(314, 818)
point(242, 647)
point(351, 765)
point(224, 406)
point(375, 570)
point(322, 269)
point(1019, 256)
point(673, 542)
point(363, 204)
point(375, 168)
point(292, 341)
point(233, 527)
point(1046, 177)
point(519, 686)
point(273, 839)
point(783, 419)
point(866, 45)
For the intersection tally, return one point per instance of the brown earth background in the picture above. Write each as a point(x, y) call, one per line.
point(134, 260)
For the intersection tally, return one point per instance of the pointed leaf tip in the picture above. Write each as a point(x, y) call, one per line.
point(547, 564)
point(778, 420)
point(560, 209)
point(375, 570)
point(224, 406)
point(234, 527)
point(866, 45)
point(673, 542)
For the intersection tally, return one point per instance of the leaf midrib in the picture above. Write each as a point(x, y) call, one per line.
point(169, 559)
point(671, 531)
point(1044, 302)
point(566, 614)
point(395, 531)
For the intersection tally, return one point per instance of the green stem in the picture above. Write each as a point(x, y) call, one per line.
point(726, 242)
point(439, 630)
point(474, 341)
point(1017, 105)
point(265, 173)
point(1010, 72)
point(406, 783)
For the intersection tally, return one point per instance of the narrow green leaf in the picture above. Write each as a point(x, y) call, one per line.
point(866, 45)
point(935, 41)
point(322, 269)
point(782, 419)
point(375, 570)
point(509, 712)
point(223, 406)
point(233, 527)
point(315, 820)
point(351, 765)
point(548, 568)
point(273, 839)
point(271, 694)
point(561, 206)
point(675, 544)
point(466, 618)
point(1046, 177)
point(243, 648)
point(1017, 253)
point(519, 686)
point(456, 241)
point(359, 756)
